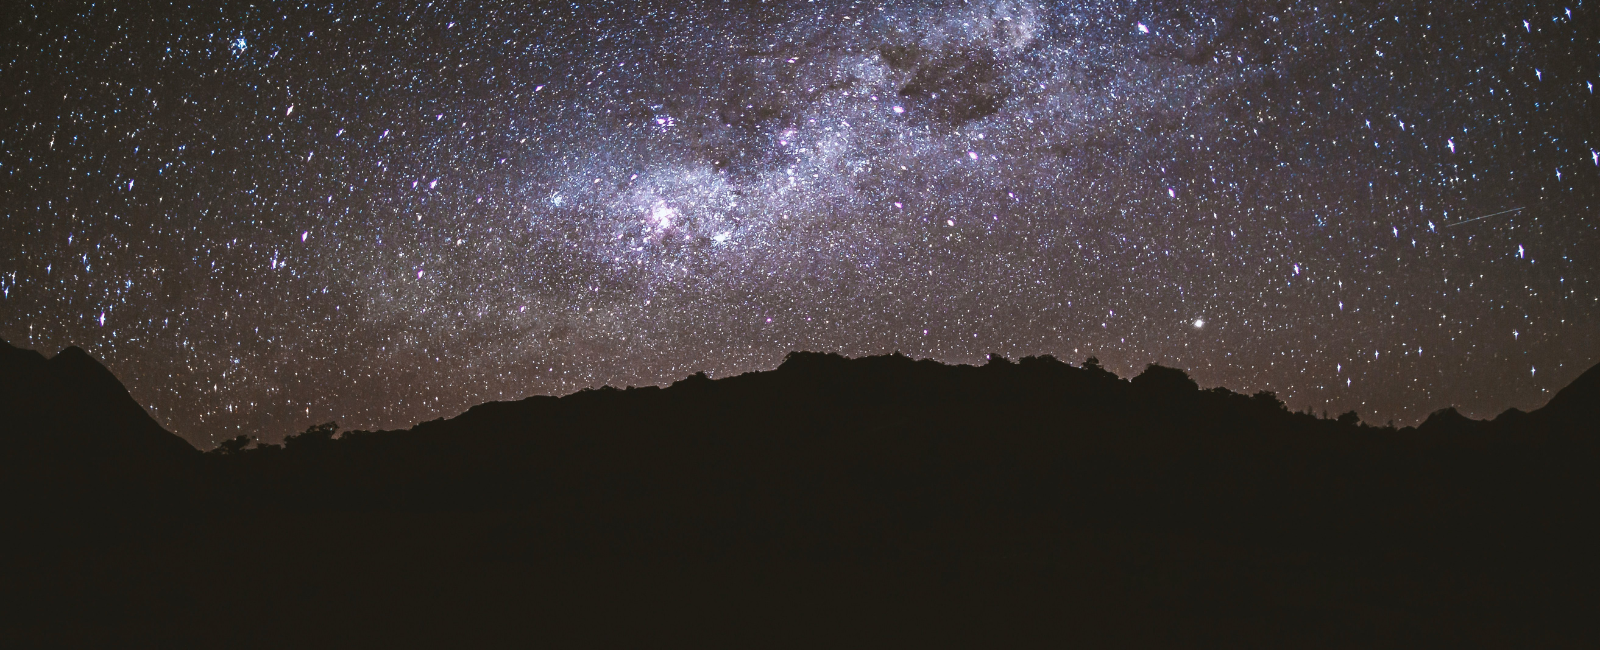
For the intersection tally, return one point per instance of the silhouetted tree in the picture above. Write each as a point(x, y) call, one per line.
point(1165, 381)
point(315, 437)
point(1270, 400)
point(232, 446)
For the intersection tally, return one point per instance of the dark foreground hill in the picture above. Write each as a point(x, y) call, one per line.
point(835, 501)
point(70, 404)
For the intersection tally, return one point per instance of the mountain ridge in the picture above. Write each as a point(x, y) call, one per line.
point(75, 396)
point(74, 402)
point(1566, 408)
point(1029, 498)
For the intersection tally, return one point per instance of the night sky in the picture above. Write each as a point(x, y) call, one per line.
point(263, 216)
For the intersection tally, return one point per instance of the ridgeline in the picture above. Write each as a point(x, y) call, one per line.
point(830, 500)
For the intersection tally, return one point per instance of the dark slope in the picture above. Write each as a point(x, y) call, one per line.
point(80, 460)
point(1578, 404)
point(71, 404)
point(831, 498)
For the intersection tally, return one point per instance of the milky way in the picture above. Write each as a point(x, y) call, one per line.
point(265, 216)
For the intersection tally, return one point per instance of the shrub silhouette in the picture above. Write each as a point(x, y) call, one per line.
point(314, 438)
point(1161, 380)
point(232, 445)
point(1269, 400)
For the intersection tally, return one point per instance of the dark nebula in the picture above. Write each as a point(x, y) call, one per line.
point(262, 216)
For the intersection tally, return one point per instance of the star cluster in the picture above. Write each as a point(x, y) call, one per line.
point(267, 215)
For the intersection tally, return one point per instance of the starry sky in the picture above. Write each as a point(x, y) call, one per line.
point(267, 215)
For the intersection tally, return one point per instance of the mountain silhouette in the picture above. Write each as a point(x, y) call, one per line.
point(1578, 403)
point(73, 404)
point(884, 499)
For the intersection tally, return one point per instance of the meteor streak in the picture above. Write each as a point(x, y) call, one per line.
point(1448, 225)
